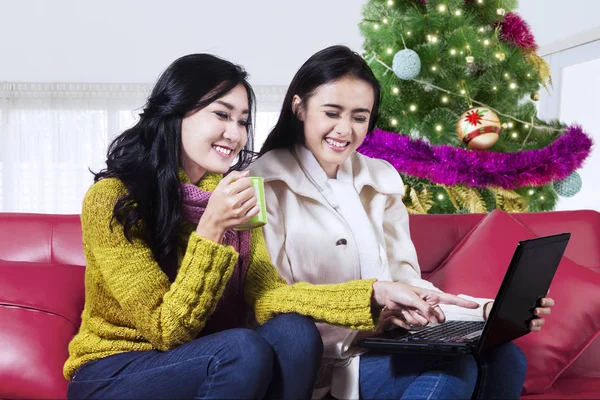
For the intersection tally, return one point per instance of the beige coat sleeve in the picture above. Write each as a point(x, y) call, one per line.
point(403, 262)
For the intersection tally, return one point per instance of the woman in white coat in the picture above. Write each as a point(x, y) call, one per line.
point(336, 216)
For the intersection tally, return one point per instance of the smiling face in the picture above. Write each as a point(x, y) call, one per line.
point(212, 137)
point(336, 120)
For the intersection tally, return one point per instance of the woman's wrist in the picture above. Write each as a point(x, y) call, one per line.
point(377, 300)
point(210, 231)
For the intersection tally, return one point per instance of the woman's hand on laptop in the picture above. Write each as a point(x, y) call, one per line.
point(536, 324)
point(396, 297)
point(404, 318)
point(546, 309)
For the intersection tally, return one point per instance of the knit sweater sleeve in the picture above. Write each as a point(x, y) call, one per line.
point(166, 314)
point(345, 304)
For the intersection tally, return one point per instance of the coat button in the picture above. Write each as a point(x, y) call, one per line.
point(341, 241)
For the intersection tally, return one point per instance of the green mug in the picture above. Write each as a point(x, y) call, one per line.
point(259, 219)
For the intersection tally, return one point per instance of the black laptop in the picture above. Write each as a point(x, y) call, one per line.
point(526, 281)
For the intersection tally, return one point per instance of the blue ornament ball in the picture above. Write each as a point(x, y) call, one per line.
point(569, 186)
point(406, 64)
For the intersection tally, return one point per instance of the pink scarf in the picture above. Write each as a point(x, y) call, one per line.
point(231, 311)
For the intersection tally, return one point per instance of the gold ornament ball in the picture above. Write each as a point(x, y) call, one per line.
point(535, 96)
point(479, 128)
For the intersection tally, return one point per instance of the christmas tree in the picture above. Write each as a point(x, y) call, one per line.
point(458, 119)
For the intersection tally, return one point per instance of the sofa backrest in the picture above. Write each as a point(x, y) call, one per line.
point(46, 238)
point(56, 239)
point(435, 236)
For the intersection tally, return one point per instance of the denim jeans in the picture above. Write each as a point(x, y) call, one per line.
point(497, 374)
point(278, 360)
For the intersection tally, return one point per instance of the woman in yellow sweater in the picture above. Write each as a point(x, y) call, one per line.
point(172, 290)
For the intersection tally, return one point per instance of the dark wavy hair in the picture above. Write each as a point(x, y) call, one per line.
point(147, 157)
point(327, 66)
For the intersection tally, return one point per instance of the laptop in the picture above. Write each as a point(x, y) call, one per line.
point(525, 283)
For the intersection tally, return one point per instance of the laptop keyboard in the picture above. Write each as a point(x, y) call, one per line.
point(449, 332)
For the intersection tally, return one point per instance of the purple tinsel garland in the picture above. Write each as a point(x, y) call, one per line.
point(449, 165)
point(516, 31)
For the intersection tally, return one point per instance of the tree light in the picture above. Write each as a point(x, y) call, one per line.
point(394, 121)
point(385, 20)
point(442, 8)
point(513, 85)
point(413, 108)
point(376, 26)
point(434, 68)
point(438, 128)
point(395, 90)
point(453, 52)
point(510, 125)
point(389, 51)
point(444, 99)
point(515, 135)
point(390, 3)
point(458, 12)
point(486, 42)
point(440, 196)
point(531, 192)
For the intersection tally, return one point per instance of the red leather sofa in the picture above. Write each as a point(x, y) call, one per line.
point(42, 293)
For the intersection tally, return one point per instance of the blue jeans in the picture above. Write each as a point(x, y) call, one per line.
point(497, 374)
point(278, 360)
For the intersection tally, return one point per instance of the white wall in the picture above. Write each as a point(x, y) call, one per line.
point(575, 98)
point(559, 24)
point(580, 102)
point(134, 40)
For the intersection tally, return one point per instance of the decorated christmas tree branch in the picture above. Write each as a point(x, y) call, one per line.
point(471, 100)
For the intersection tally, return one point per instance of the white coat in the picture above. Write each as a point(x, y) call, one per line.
point(310, 241)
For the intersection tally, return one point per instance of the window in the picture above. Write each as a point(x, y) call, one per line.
point(52, 134)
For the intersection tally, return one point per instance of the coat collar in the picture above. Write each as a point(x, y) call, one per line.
point(281, 165)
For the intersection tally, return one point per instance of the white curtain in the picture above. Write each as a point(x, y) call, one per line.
point(51, 134)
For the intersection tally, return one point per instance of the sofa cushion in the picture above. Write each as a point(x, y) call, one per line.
point(576, 388)
point(40, 308)
point(477, 267)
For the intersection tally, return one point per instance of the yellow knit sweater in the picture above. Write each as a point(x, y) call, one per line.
point(131, 305)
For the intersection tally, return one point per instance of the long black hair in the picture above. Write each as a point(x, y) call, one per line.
point(327, 66)
point(147, 157)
